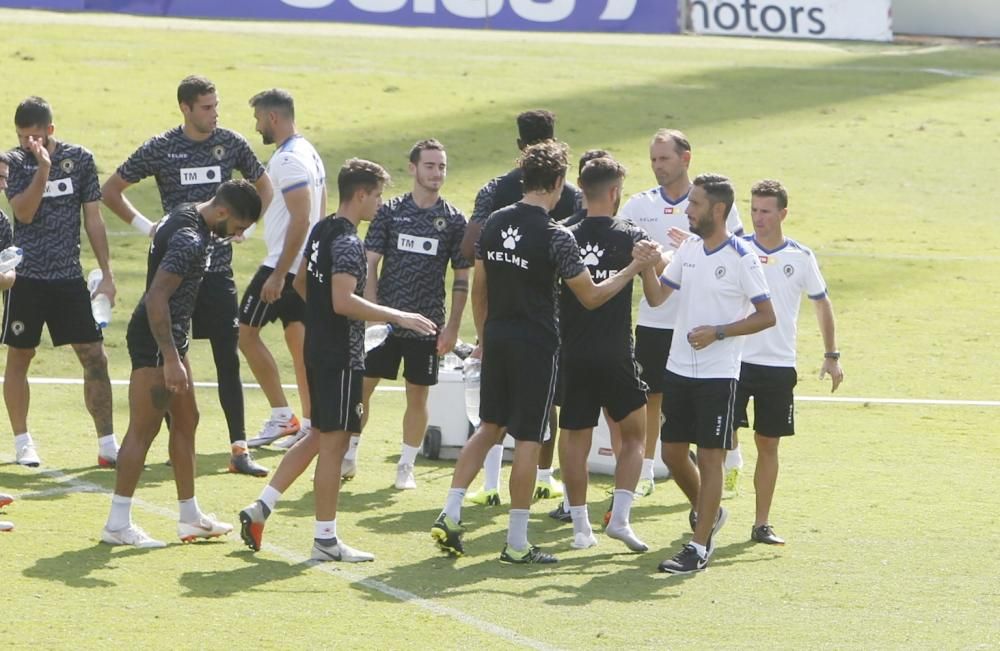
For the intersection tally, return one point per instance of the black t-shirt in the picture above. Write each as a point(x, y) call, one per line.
point(506, 190)
point(525, 253)
point(574, 219)
point(605, 333)
point(180, 247)
point(333, 339)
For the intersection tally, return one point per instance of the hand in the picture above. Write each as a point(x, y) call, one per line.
point(271, 290)
point(646, 253)
point(702, 337)
point(677, 236)
point(832, 366)
point(40, 153)
point(477, 352)
point(106, 287)
point(416, 323)
point(7, 279)
point(447, 339)
point(175, 376)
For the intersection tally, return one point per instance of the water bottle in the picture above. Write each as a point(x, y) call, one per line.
point(10, 258)
point(100, 305)
point(471, 372)
point(375, 335)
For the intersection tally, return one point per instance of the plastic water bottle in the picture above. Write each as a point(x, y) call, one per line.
point(375, 335)
point(471, 373)
point(10, 258)
point(100, 305)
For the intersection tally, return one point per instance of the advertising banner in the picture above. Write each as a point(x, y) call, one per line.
point(650, 16)
point(864, 20)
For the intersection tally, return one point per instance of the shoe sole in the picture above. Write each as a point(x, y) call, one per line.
point(261, 442)
point(440, 536)
point(682, 572)
point(32, 464)
point(325, 558)
point(251, 532)
point(106, 463)
point(236, 471)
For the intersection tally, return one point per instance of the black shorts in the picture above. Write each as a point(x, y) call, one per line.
point(142, 348)
point(335, 393)
point(517, 387)
point(256, 313)
point(652, 347)
point(698, 411)
point(216, 309)
point(62, 305)
point(773, 400)
point(590, 385)
point(419, 357)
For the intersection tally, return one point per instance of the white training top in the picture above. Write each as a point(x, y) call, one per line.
point(713, 288)
point(791, 270)
point(294, 165)
point(654, 213)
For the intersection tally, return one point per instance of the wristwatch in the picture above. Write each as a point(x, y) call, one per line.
point(720, 333)
point(833, 355)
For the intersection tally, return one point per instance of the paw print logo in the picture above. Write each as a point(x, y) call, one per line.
point(511, 236)
point(592, 255)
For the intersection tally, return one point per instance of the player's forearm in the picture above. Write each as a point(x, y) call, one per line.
point(459, 297)
point(827, 324)
point(25, 205)
point(761, 319)
point(158, 315)
point(295, 237)
point(468, 246)
point(93, 223)
point(371, 286)
point(604, 291)
point(355, 307)
point(479, 304)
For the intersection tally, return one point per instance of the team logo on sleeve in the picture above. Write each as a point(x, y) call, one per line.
point(511, 236)
point(720, 273)
point(592, 255)
point(789, 270)
point(67, 166)
point(218, 151)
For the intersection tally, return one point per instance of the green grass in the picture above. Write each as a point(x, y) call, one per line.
point(890, 510)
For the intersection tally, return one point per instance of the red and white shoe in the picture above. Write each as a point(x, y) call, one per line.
point(206, 527)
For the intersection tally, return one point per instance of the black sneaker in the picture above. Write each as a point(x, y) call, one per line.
point(765, 534)
point(532, 555)
point(686, 561)
point(561, 514)
point(692, 519)
point(448, 535)
point(719, 521)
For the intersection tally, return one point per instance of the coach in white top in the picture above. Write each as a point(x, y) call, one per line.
point(718, 282)
point(658, 211)
point(299, 179)
point(768, 368)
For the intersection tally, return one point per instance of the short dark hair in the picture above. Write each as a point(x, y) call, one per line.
point(718, 188)
point(598, 174)
point(192, 87)
point(542, 164)
point(33, 112)
point(681, 143)
point(274, 99)
point(241, 197)
point(535, 126)
point(771, 188)
point(359, 174)
point(590, 155)
point(430, 144)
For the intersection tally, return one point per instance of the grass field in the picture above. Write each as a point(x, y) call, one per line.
point(890, 510)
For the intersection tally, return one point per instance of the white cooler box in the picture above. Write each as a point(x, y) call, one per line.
point(448, 426)
point(601, 459)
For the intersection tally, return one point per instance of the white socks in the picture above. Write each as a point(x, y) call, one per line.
point(408, 455)
point(517, 529)
point(734, 458)
point(22, 440)
point(281, 413)
point(121, 513)
point(453, 505)
point(581, 520)
point(270, 496)
point(647, 469)
point(701, 549)
point(352, 448)
point(107, 446)
point(543, 476)
point(621, 508)
point(189, 511)
point(491, 468)
point(325, 530)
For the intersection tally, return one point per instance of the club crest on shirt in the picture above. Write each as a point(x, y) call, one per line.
point(720, 272)
point(789, 270)
point(67, 166)
point(218, 151)
point(440, 223)
point(592, 254)
point(511, 236)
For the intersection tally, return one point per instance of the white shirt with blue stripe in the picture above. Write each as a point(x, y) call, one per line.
point(294, 165)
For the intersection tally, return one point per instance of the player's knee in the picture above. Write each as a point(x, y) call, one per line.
point(19, 357)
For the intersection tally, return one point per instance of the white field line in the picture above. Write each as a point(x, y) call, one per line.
point(72, 484)
point(846, 399)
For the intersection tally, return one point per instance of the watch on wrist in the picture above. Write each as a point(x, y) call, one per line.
point(833, 355)
point(720, 333)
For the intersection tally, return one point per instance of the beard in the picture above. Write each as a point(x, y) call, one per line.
point(267, 137)
point(703, 227)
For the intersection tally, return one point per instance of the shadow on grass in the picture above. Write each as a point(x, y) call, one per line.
point(254, 576)
point(75, 567)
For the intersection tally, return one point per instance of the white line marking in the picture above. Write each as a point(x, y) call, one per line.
point(396, 389)
point(72, 484)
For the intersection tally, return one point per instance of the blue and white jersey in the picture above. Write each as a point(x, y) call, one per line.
point(294, 165)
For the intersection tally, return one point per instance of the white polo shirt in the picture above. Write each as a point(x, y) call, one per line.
point(294, 165)
point(712, 288)
point(791, 270)
point(654, 213)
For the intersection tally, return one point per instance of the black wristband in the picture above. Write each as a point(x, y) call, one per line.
point(833, 355)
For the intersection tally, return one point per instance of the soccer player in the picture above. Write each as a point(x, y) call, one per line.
point(768, 369)
point(533, 127)
point(189, 163)
point(723, 295)
point(50, 182)
point(657, 211)
point(332, 279)
point(414, 237)
point(161, 379)
point(519, 257)
point(6, 281)
point(297, 172)
point(597, 365)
